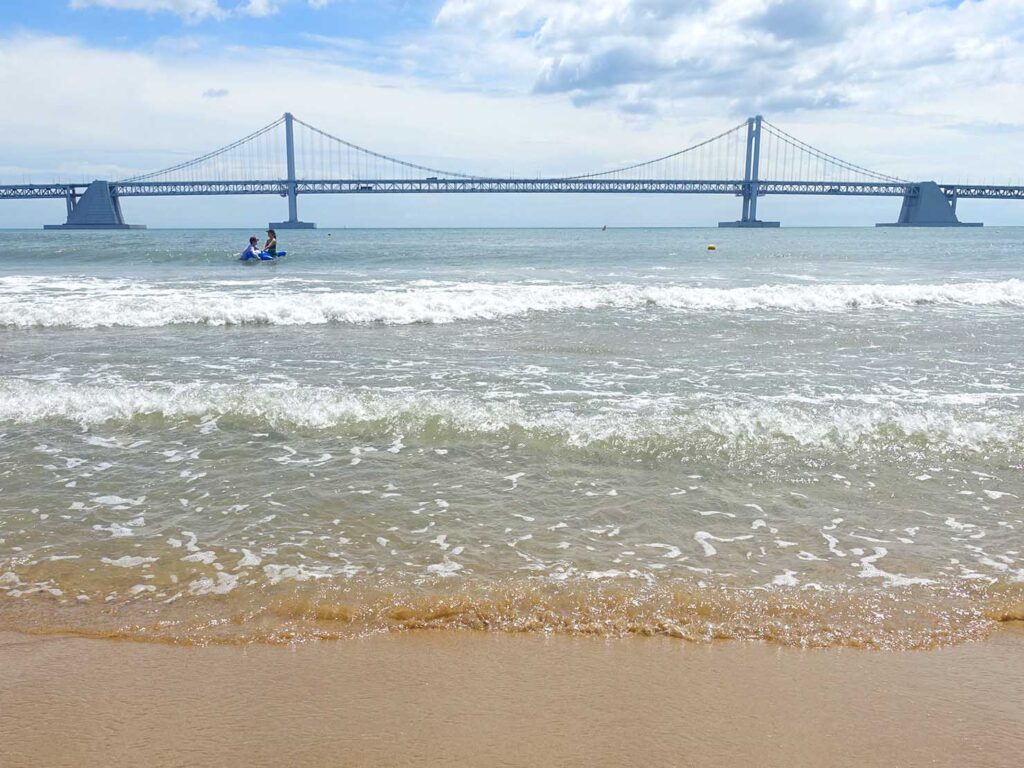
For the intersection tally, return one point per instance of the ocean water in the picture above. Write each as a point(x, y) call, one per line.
point(808, 436)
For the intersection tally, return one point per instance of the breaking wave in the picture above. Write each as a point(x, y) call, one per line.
point(65, 302)
point(660, 429)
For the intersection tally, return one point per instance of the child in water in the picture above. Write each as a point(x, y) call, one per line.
point(253, 251)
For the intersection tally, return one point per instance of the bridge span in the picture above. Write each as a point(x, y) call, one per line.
point(290, 158)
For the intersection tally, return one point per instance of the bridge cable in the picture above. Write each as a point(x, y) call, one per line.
point(826, 158)
point(378, 156)
point(634, 166)
point(208, 156)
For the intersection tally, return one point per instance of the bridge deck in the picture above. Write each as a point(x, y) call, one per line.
point(462, 186)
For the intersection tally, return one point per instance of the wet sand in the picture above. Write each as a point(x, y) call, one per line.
point(464, 698)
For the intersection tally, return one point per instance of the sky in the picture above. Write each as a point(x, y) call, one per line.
point(920, 89)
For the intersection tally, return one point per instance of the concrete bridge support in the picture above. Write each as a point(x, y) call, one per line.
point(293, 203)
point(751, 174)
point(928, 206)
point(97, 208)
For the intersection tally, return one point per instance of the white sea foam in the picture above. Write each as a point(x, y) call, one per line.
point(870, 571)
point(248, 559)
point(276, 573)
point(785, 579)
point(128, 561)
point(670, 425)
point(27, 302)
point(206, 558)
point(221, 584)
point(119, 502)
point(704, 539)
point(671, 552)
point(445, 568)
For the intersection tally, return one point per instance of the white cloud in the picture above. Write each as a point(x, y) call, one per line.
point(133, 111)
point(258, 8)
point(672, 56)
point(190, 10)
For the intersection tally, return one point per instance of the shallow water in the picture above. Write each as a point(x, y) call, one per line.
point(813, 436)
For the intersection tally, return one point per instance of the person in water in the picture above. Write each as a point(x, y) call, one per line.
point(253, 251)
point(270, 247)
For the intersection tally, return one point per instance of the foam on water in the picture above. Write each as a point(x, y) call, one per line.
point(629, 426)
point(69, 302)
point(812, 438)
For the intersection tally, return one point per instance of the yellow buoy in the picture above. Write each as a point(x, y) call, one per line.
point(712, 247)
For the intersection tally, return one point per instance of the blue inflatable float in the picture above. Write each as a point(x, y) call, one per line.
point(264, 256)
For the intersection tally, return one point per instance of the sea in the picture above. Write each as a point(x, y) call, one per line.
point(813, 437)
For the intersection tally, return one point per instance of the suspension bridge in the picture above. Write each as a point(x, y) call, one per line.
point(290, 158)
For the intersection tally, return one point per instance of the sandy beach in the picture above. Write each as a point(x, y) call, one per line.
point(465, 698)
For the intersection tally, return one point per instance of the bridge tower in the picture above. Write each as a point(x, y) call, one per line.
point(97, 208)
point(293, 203)
point(751, 176)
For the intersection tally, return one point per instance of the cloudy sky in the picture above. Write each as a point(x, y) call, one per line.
point(916, 88)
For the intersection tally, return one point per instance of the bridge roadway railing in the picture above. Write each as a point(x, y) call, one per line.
point(40, 191)
point(983, 191)
point(484, 185)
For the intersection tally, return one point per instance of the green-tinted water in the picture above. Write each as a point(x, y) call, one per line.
point(811, 435)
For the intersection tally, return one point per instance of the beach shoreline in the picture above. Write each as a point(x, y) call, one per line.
point(474, 698)
point(513, 498)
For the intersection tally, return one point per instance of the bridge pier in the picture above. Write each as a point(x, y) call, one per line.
point(97, 208)
point(927, 206)
point(291, 224)
point(751, 187)
point(290, 188)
